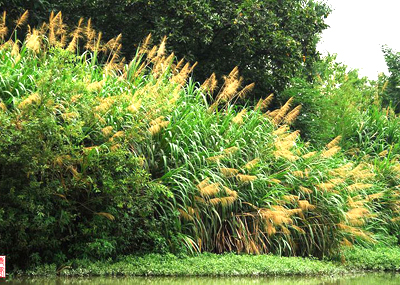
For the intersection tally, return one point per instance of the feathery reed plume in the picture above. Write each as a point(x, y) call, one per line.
point(298, 174)
point(119, 134)
point(290, 198)
point(210, 84)
point(95, 86)
point(75, 36)
point(3, 107)
point(33, 40)
point(361, 172)
point(246, 178)
point(21, 20)
point(227, 201)
point(188, 214)
point(107, 131)
point(282, 111)
point(231, 150)
point(238, 119)
point(383, 153)
point(209, 190)
point(305, 190)
point(90, 34)
point(305, 205)
point(115, 147)
point(336, 181)
point(105, 104)
point(52, 35)
point(330, 152)
point(161, 48)
point(342, 171)
point(230, 192)
point(246, 90)
point(274, 180)
point(357, 216)
point(203, 183)
point(359, 186)
point(3, 27)
point(326, 186)
point(98, 42)
point(355, 204)
point(251, 164)
point(34, 98)
point(15, 50)
point(145, 45)
point(183, 74)
point(346, 243)
point(310, 154)
point(281, 130)
point(355, 232)
point(199, 199)
point(334, 142)
point(292, 115)
point(230, 87)
point(229, 172)
point(286, 154)
point(106, 215)
point(292, 136)
point(156, 128)
point(178, 66)
point(134, 107)
point(215, 201)
point(375, 196)
point(215, 158)
point(70, 116)
point(263, 104)
point(272, 114)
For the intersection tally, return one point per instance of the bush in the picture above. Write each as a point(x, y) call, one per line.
point(71, 181)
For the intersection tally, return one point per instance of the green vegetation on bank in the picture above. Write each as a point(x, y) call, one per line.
point(207, 264)
point(102, 158)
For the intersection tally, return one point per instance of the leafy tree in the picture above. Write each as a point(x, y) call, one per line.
point(391, 92)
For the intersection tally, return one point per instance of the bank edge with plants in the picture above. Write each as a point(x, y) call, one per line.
point(101, 158)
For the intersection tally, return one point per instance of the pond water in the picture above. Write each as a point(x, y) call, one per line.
point(359, 279)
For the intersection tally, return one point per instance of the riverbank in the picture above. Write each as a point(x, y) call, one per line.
point(352, 260)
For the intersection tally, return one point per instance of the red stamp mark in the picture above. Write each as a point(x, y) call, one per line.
point(2, 266)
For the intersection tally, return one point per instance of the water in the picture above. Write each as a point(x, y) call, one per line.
point(360, 279)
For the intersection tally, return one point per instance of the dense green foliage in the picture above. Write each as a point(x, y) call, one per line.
point(271, 41)
point(100, 158)
point(65, 178)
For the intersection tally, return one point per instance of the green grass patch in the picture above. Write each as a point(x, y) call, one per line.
point(356, 259)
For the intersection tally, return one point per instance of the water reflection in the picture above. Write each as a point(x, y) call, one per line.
point(364, 279)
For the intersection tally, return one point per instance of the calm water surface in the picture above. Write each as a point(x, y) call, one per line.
point(364, 279)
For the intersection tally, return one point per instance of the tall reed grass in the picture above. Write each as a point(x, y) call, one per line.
point(222, 178)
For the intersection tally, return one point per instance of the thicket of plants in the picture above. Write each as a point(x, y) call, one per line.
point(100, 158)
point(270, 41)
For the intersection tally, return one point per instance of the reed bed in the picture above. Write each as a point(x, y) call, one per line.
point(222, 178)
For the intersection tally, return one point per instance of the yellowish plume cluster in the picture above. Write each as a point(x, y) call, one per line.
point(157, 125)
point(283, 145)
point(33, 40)
point(209, 192)
point(210, 84)
point(34, 98)
point(263, 104)
point(238, 119)
point(3, 27)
